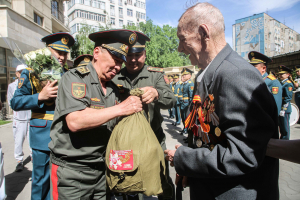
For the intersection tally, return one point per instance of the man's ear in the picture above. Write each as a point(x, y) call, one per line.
point(96, 52)
point(204, 31)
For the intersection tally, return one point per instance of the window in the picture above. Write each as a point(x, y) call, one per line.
point(54, 9)
point(121, 23)
point(38, 19)
point(2, 57)
point(89, 15)
point(121, 12)
point(140, 15)
point(140, 4)
point(112, 1)
point(112, 10)
point(129, 2)
point(129, 12)
point(120, 3)
point(112, 21)
point(87, 2)
point(130, 23)
point(102, 5)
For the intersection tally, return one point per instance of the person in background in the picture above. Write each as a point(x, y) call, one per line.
point(177, 91)
point(83, 60)
point(260, 61)
point(42, 105)
point(287, 95)
point(171, 110)
point(21, 121)
point(296, 85)
point(187, 93)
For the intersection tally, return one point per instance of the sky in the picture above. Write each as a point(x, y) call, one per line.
point(163, 12)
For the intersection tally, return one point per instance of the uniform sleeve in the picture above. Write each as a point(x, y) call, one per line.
point(166, 98)
point(73, 95)
point(25, 97)
point(288, 90)
point(180, 94)
point(191, 90)
point(277, 95)
point(248, 119)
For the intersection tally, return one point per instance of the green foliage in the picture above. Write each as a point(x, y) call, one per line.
point(162, 49)
point(83, 45)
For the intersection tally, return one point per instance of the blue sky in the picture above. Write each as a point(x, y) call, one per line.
point(169, 11)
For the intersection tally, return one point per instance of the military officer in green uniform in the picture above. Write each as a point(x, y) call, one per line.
point(287, 95)
point(157, 93)
point(260, 61)
point(83, 60)
point(87, 109)
point(171, 110)
point(177, 91)
point(187, 95)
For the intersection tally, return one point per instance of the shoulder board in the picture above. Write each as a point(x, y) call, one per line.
point(271, 77)
point(155, 69)
point(190, 81)
point(83, 70)
point(180, 82)
point(119, 85)
point(29, 69)
point(288, 81)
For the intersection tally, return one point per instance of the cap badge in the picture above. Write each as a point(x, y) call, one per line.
point(132, 38)
point(124, 48)
point(252, 53)
point(64, 40)
point(87, 59)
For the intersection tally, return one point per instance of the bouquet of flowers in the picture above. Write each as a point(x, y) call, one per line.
point(45, 66)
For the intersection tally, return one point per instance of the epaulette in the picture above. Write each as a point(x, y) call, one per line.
point(29, 69)
point(271, 77)
point(190, 81)
point(288, 81)
point(83, 70)
point(119, 86)
point(155, 69)
point(180, 82)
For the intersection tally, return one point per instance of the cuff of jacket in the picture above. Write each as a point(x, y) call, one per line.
point(36, 100)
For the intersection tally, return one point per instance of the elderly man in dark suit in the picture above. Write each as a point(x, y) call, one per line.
point(233, 116)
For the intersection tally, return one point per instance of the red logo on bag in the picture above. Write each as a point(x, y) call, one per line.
point(121, 159)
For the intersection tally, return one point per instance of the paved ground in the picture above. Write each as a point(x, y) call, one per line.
point(18, 185)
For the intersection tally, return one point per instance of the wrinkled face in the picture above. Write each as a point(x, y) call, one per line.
point(109, 64)
point(284, 76)
point(261, 68)
point(60, 55)
point(190, 44)
point(135, 62)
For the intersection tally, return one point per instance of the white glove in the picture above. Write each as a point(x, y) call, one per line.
point(282, 112)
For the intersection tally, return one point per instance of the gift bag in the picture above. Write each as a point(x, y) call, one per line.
point(134, 158)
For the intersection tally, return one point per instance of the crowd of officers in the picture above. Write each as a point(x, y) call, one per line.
point(71, 123)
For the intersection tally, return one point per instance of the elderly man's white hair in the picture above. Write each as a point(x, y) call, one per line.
point(203, 13)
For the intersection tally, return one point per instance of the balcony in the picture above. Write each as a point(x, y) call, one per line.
point(59, 21)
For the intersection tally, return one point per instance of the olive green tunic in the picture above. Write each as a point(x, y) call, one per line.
point(80, 88)
point(152, 77)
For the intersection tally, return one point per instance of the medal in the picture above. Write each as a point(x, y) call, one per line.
point(217, 131)
point(198, 143)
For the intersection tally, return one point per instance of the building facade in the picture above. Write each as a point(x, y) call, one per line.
point(25, 23)
point(112, 13)
point(264, 34)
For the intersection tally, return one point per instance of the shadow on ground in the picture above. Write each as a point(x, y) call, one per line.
point(174, 131)
point(16, 181)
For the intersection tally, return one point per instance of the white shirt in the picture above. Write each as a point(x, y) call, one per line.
point(19, 115)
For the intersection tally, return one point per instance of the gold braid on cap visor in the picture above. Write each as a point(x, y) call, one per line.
point(257, 61)
point(59, 47)
point(114, 49)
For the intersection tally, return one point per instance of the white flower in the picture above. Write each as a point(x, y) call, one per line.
point(32, 55)
point(39, 51)
point(46, 52)
point(26, 57)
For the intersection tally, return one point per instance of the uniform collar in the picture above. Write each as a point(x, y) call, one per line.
point(284, 80)
point(187, 81)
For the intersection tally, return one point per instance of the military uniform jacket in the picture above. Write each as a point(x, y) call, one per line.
point(26, 98)
point(235, 165)
point(151, 77)
point(287, 95)
point(79, 89)
point(276, 89)
point(177, 92)
point(187, 89)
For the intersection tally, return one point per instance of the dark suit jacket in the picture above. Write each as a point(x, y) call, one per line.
point(238, 167)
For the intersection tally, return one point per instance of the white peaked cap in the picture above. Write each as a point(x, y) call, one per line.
point(21, 67)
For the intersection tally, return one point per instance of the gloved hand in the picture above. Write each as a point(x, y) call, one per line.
point(282, 112)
